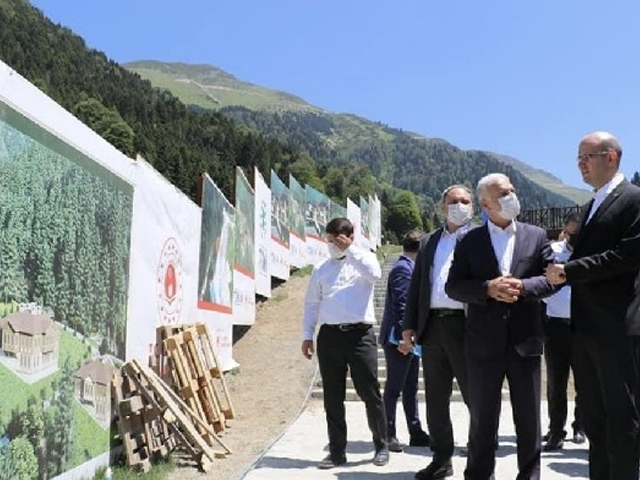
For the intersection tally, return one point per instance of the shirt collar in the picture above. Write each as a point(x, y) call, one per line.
point(495, 229)
point(608, 187)
point(458, 233)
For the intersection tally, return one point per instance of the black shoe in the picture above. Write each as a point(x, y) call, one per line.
point(419, 439)
point(434, 471)
point(381, 457)
point(394, 445)
point(464, 451)
point(555, 443)
point(331, 461)
point(546, 436)
point(579, 437)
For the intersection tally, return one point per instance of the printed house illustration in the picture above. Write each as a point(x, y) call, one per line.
point(32, 339)
point(93, 388)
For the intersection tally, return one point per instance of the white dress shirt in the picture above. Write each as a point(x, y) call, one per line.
point(341, 291)
point(559, 304)
point(603, 192)
point(440, 272)
point(503, 241)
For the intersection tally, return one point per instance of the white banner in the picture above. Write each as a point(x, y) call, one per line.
point(353, 214)
point(316, 250)
point(279, 264)
point(262, 219)
point(244, 290)
point(165, 239)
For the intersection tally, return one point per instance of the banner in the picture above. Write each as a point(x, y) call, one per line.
point(354, 214)
point(165, 240)
point(365, 218)
point(244, 289)
point(66, 201)
point(298, 247)
point(262, 235)
point(215, 277)
point(316, 219)
point(336, 210)
point(279, 246)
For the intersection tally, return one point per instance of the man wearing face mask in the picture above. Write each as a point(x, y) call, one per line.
point(339, 297)
point(437, 322)
point(498, 271)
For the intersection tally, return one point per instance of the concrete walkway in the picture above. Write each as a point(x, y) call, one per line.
point(296, 453)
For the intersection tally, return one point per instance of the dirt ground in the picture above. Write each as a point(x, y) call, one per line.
point(270, 386)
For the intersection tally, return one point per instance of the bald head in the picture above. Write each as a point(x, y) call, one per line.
point(599, 156)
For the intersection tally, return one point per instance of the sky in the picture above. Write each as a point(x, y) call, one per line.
point(524, 78)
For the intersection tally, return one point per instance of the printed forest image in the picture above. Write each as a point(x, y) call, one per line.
point(63, 300)
point(244, 225)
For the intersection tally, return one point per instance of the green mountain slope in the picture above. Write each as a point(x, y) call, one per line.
point(209, 87)
point(212, 88)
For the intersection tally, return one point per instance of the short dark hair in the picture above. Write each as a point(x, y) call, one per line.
point(572, 217)
point(339, 226)
point(411, 240)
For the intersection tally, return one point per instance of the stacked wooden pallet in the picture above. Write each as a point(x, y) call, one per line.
point(155, 418)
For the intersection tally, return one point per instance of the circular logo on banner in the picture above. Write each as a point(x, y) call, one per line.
point(169, 282)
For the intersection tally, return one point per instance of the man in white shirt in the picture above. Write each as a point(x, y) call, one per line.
point(557, 350)
point(340, 299)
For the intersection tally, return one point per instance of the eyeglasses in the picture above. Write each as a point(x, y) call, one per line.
point(588, 156)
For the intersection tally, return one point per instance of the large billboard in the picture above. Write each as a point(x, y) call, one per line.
point(279, 262)
point(262, 222)
point(244, 289)
point(65, 219)
point(316, 219)
point(297, 203)
point(165, 239)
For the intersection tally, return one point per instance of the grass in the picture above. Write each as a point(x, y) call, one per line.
point(386, 250)
point(159, 471)
point(302, 272)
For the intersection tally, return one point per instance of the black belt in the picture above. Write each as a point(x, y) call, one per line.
point(348, 327)
point(446, 312)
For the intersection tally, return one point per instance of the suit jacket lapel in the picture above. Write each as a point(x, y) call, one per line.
point(488, 247)
point(584, 214)
point(432, 245)
point(612, 197)
point(518, 246)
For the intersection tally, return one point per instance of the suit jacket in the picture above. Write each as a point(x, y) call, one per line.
point(492, 326)
point(397, 287)
point(603, 270)
point(416, 315)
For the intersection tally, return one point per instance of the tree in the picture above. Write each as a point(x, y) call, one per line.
point(404, 214)
point(108, 123)
point(23, 461)
point(636, 179)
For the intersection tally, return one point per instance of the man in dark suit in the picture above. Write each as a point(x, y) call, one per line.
point(402, 369)
point(437, 322)
point(603, 274)
point(498, 271)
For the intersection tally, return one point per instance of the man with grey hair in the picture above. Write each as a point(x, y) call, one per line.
point(498, 271)
point(437, 322)
point(605, 309)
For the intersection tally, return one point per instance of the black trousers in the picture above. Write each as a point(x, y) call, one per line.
point(442, 360)
point(484, 379)
point(605, 374)
point(357, 351)
point(402, 378)
point(557, 355)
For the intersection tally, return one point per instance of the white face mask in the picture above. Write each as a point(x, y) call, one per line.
point(509, 206)
point(334, 251)
point(459, 213)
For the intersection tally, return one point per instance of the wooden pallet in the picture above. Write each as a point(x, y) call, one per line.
point(197, 375)
point(184, 424)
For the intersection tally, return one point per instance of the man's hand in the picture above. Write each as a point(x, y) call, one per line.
point(307, 349)
point(555, 274)
point(408, 339)
point(505, 289)
point(342, 241)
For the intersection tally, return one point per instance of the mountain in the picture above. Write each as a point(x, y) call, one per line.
point(212, 88)
point(209, 87)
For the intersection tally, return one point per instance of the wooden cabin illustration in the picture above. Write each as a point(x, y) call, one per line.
point(93, 388)
point(32, 339)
